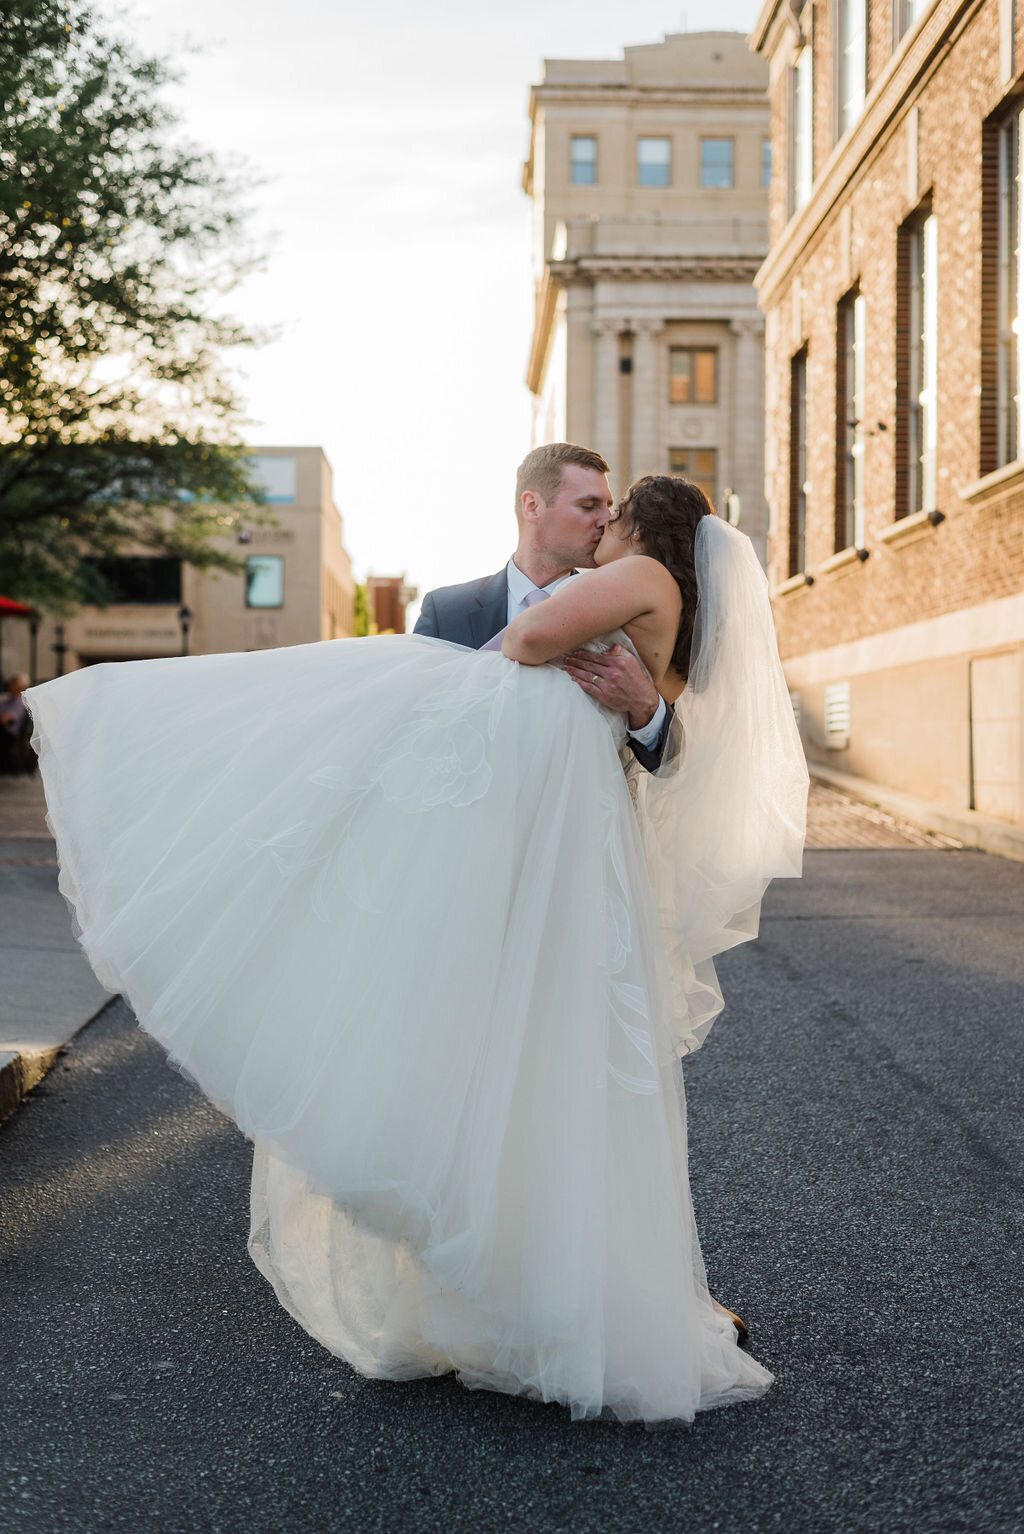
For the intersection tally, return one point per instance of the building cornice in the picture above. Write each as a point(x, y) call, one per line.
point(904, 77)
point(691, 268)
point(649, 95)
point(763, 25)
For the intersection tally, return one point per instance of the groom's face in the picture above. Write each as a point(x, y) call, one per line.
point(570, 525)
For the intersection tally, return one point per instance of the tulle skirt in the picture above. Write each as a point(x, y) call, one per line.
point(385, 901)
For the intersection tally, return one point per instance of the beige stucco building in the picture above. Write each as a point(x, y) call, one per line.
point(649, 179)
point(297, 586)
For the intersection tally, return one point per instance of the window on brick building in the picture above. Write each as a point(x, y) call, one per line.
point(798, 463)
point(1011, 284)
point(904, 14)
point(699, 464)
point(653, 161)
point(917, 356)
point(1002, 293)
point(716, 162)
point(583, 159)
point(852, 60)
point(850, 358)
point(802, 131)
point(693, 375)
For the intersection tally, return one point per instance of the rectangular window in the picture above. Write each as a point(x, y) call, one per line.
point(277, 477)
point(583, 159)
point(1011, 297)
point(699, 464)
point(802, 146)
point(852, 22)
point(1002, 292)
point(142, 581)
point(264, 580)
point(653, 161)
point(798, 463)
point(917, 325)
point(766, 163)
point(850, 359)
point(693, 376)
point(716, 162)
point(904, 14)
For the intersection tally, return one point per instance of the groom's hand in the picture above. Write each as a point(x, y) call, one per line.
point(617, 680)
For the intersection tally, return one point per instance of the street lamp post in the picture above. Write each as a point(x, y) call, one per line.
point(59, 648)
point(185, 619)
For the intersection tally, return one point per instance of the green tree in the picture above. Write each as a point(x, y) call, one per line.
point(118, 244)
point(363, 618)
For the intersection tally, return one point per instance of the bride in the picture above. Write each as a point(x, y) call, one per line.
point(396, 907)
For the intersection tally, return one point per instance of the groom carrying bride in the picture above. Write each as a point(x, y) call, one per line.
point(563, 503)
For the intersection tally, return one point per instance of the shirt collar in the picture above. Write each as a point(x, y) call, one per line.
point(520, 585)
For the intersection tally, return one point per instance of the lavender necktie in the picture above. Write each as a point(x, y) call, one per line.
point(531, 599)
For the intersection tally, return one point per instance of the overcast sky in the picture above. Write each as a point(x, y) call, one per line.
point(391, 138)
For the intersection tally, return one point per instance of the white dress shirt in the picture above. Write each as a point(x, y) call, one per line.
point(519, 588)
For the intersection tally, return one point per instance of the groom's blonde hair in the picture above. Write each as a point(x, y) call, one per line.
point(541, 471)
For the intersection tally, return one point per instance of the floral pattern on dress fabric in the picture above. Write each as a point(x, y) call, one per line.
point(629, 1010)
point(628, 1002)
point(337, 862)
point(431, 764)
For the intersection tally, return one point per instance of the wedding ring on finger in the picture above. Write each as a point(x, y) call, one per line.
point(593, 681)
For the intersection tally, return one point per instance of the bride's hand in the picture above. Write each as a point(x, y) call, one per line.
point(617, 680)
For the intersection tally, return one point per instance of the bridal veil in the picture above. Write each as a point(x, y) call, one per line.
point(726, 813)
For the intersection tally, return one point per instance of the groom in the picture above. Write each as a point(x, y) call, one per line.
point(562, 506)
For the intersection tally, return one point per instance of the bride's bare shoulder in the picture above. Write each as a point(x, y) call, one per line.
point(639, 570)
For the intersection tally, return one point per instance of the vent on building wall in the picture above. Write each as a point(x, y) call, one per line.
point(837, 716)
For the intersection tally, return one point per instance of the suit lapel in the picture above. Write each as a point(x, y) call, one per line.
point(491, 610)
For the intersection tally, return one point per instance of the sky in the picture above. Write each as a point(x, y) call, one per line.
point(389, 139)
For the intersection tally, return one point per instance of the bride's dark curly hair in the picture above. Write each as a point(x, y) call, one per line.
point(663, 512)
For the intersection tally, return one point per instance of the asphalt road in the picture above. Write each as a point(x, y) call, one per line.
point(857, 1128)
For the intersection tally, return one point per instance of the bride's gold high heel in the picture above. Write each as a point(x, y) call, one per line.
point(742, 1334)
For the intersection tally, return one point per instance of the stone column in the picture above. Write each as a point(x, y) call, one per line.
point(606, 392)
point(647, 452)
point(745, 474)
point(579, 366)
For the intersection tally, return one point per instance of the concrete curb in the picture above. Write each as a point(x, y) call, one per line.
point(965, 826)
point(23, 1069)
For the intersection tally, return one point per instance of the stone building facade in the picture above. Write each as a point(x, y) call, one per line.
point(648, 176)
point(893, 296)
point(297, 587)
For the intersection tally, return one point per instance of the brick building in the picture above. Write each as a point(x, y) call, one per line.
point(388, 597)
point(893, 294)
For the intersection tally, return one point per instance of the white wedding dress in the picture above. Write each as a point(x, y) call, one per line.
point(387, 901)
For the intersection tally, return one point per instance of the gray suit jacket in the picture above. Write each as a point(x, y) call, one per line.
point(474, 612)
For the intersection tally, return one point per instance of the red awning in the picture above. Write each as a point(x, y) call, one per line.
point(11, 609)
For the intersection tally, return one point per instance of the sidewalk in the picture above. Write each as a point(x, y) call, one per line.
point(48, 992)
point(947, 827)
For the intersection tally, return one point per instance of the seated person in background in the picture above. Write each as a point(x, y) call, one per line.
point(16, 755)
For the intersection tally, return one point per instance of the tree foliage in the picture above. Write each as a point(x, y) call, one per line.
point(118, 244)
point(363, 617)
